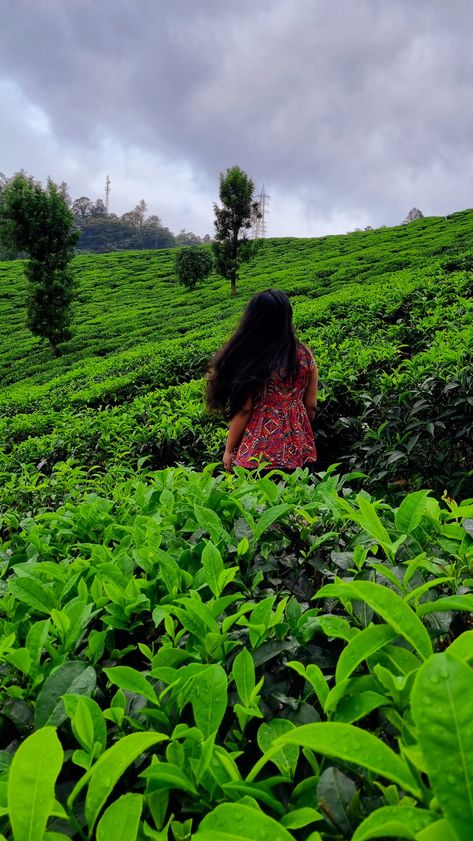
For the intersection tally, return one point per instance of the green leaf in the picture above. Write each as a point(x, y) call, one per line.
point(132, 681)
point(442, 716)
point(350, 744)
point(410, 512)
point(209, 521)
point(314, 676)
point(438, 831)
point(209, 699)
point(213, 567)
point(391, 607)
point(353, 707)
point(31, 592)
point(33, 773)
point(73, 677)
point(286, 758)
point(394, 822)
point(238, 822)
point(108, 769)
point(88, 722)
point(35, 641)
point(368, 641)
point(462, 647)
point(268, 518)
point(121, 820)
point(447, 603)
point(243, 672)
point(167, 775)
point(299, 818)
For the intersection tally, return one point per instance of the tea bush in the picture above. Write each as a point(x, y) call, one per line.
point(186, 653)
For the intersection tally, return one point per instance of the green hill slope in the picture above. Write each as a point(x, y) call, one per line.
point(384, 311)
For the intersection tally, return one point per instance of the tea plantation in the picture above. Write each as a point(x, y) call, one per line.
point(186, 653)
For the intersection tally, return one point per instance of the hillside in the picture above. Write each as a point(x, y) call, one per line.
point(386, 313)
point(186, 653)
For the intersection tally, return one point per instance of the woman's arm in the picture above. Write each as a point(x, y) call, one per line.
point(236, 429)
point(310, 394)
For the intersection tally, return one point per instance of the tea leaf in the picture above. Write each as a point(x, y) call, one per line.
point(371, 639)
point(209, 699)
point(410, 512)
point(394, 821)
point(391, 607)
point(33, 773)
point(108, 769)
point(238, 822)
point(121, 820)
point(132, 681)
point(73, 677)
point(350, 744)
point(243, 671)
point(443, 722)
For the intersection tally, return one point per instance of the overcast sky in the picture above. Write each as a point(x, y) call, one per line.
point(350, 112)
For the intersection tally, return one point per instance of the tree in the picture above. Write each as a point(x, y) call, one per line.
point(98, 210)
point(413, 214)
point(187, 238)
point(140, 211)
point(37, 221)
point(232, 221)
point(192, 265)
point(82, 207)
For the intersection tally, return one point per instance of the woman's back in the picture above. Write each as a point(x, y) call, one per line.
point(279, 430)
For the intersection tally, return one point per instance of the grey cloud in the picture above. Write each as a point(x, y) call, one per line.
point(347, 108)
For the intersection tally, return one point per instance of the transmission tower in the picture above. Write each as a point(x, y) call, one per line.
point(259, 225)
point(107, 192)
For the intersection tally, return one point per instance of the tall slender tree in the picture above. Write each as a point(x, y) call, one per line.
point(36, 221)
point(232, 221)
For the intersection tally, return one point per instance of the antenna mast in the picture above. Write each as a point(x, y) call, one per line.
point(259, 226)
point(107, 192)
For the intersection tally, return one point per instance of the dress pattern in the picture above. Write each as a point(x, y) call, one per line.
point(279, 430)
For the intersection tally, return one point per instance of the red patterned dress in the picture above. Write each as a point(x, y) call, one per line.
point(279, 430)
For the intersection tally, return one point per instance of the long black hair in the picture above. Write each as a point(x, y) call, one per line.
point(264, 342)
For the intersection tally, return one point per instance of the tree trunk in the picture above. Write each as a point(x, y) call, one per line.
point(233, 286)
point(54, 348)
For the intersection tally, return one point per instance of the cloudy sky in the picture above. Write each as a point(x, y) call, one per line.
point(350, 112)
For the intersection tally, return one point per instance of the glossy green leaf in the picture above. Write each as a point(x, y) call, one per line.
point(243, 672)
point(410, 512)
point(299, 818)
point(32, 777)
point(88, 722)
point(442, 716)
point(121, 820)
point(30, 591)
point(209, 699)
point(73, 677)
point(446, 604)
point(269, 517)
point(364, 644)
point(238, 822)
point(108, 769)
point(394, 822)
point(387, 604)
point(132, 681)
point(286, 757)
point(354, 707)
point(463, 646)
point(437, 831)
point(350, 744)
point(167, 775)
point(314, 676)
point(213, 567)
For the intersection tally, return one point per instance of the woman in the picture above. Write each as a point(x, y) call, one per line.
point(268, 380)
